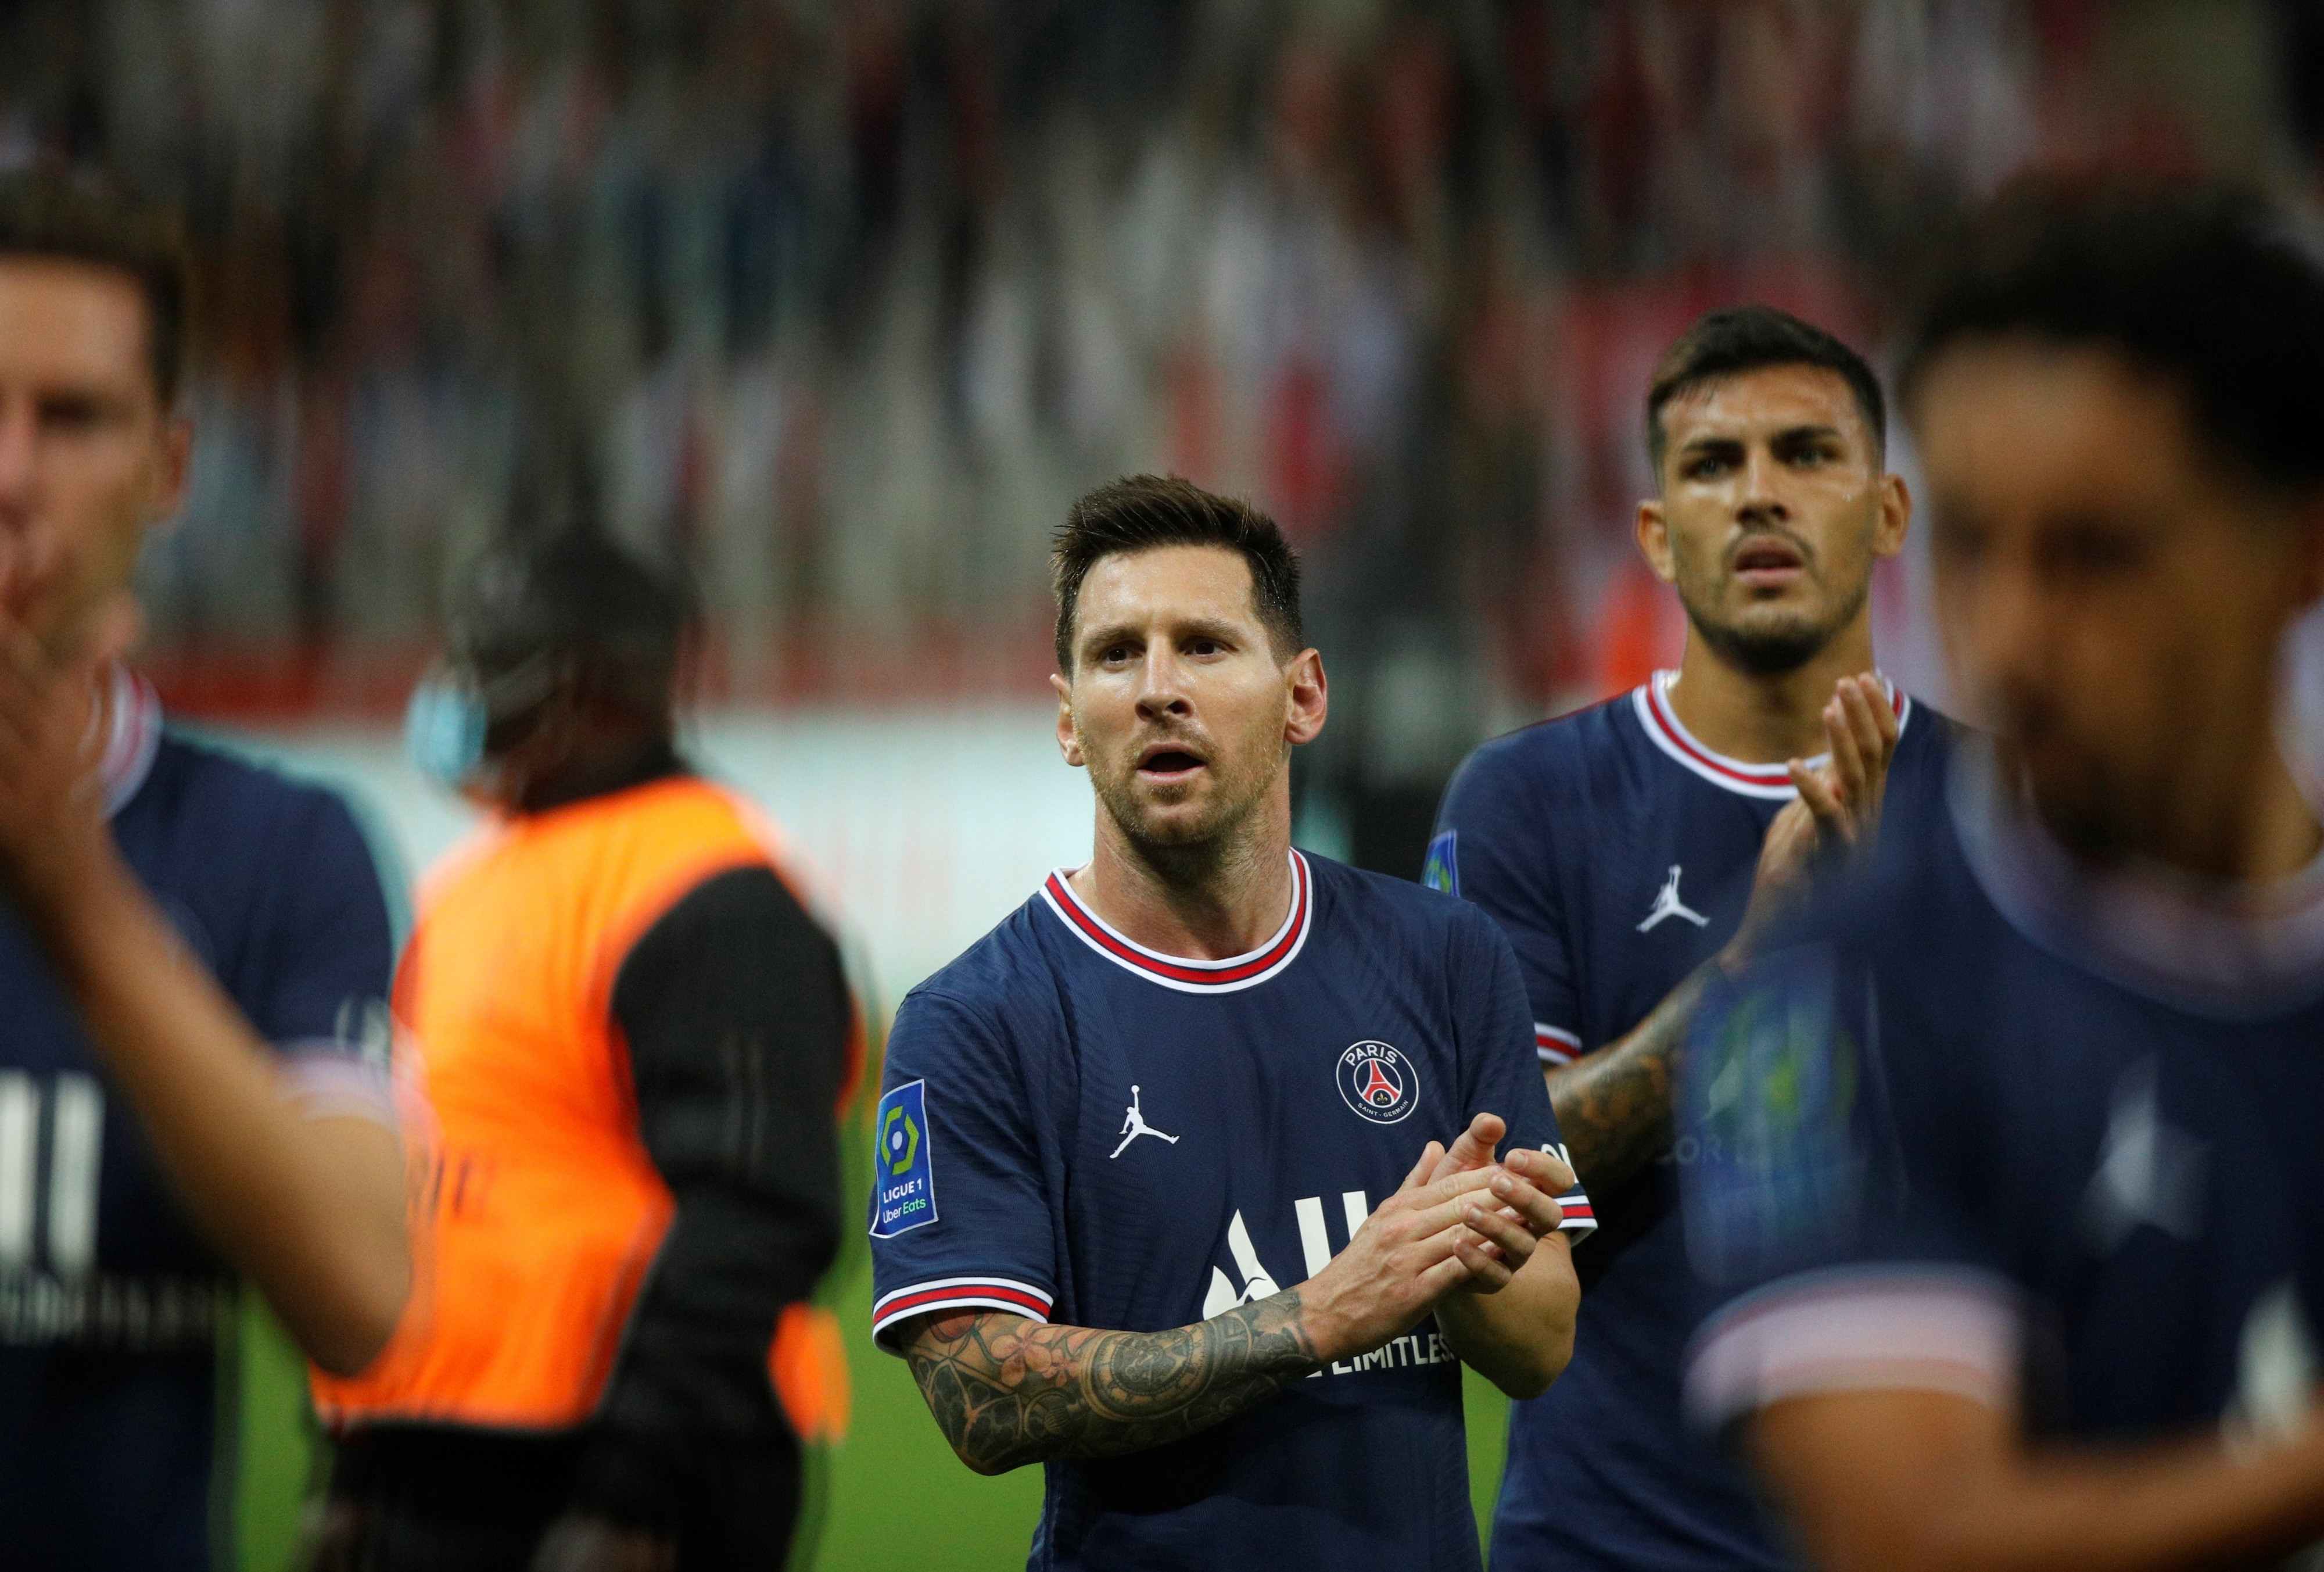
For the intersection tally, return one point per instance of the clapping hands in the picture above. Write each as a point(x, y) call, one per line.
point(51, 745)
point(1837, 808)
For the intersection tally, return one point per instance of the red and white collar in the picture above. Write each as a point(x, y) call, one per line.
point(132, 737)
point(1772, 781)
point(1189, 976)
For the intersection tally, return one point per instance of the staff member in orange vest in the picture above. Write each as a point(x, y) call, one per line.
point(627, 1038)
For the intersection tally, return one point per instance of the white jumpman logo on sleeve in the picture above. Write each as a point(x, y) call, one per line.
point(1668, 904)
point(1134, 1125)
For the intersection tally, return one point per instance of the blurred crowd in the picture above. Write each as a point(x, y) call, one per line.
point(843, 303)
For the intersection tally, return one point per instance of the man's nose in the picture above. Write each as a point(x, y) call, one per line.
point(1761, 502)
point(1162, 690)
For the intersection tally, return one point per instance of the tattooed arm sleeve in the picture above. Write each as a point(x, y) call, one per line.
point(1614, 1105)
point(1008, 1391)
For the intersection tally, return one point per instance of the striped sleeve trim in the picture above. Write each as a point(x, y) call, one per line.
point(1555, 1044)
point(324, 1081)
point(956, 1293)
point(1858, 1329)
point(1580, 1216)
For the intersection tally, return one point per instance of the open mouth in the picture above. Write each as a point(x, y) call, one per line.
point(1768, 560)
point(1164, 764)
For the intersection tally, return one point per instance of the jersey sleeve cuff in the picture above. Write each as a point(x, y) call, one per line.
point(892, 1309)
point(326, 1081)
point(1580, 1216)
point(1554, 1044)
point(1930, 1329)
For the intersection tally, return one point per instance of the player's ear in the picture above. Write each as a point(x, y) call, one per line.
point(1652, 533)
point(1309, 692)
point(1069, 743)
point(1895, 516)
point(176, 470)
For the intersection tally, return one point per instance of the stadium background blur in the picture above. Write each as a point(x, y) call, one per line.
point(842, 303)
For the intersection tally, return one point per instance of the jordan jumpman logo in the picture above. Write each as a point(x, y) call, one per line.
point(1668, 904)
point(1134, 1125)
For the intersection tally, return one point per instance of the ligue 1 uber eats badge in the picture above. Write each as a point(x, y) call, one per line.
point(1377, 1082)
point(903, 1177)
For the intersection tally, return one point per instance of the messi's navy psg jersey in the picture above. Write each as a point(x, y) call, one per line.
point(1082, 1131)
point(2001, 1126)
point(1616, 852)
point(111, 1311)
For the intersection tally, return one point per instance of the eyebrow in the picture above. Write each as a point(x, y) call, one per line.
point(1205, 627)
point(1788, 434)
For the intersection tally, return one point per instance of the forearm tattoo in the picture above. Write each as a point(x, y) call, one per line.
point(1007, 1392)
point(1613, 1106)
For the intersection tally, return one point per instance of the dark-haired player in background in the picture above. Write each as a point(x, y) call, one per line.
point(194, 957)
point(1629, 850)
point(1163, 1198)
point(631, 1036)
point(2012, 1170)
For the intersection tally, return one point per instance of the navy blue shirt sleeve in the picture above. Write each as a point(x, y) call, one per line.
point(1496, 1031)
point(1833, 1208)
point(961, 1213)
point(1494, 846)
point(319, 994)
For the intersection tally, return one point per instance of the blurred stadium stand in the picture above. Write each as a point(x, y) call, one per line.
point(844, 302)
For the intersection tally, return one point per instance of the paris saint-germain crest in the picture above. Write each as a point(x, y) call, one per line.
point(1377, 1082)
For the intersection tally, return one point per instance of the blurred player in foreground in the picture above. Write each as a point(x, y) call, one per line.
point(193, 955)
point(630, 1036)
point(1631, 850)
point(1199, 1068)
point(2010, 1163)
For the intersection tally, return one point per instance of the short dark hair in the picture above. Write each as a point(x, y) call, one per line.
point(84, 218)
point(1141, 511)
point(626, 621)
point(1737, 339)
point(2199, 282)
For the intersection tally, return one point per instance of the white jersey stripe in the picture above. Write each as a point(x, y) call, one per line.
point(1923, 1329)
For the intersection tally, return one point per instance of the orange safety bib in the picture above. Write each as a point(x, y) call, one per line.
point(535, 1208)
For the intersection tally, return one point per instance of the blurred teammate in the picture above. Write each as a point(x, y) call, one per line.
point(1200, 1068)
point(2011, 1168)
point(1629, 850)
point(193, 955)
point(630, 1037)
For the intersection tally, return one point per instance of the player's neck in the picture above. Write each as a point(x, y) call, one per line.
point(2284, 835)
point(1763, 718)
point(1211, 902)
point(2251, 826)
